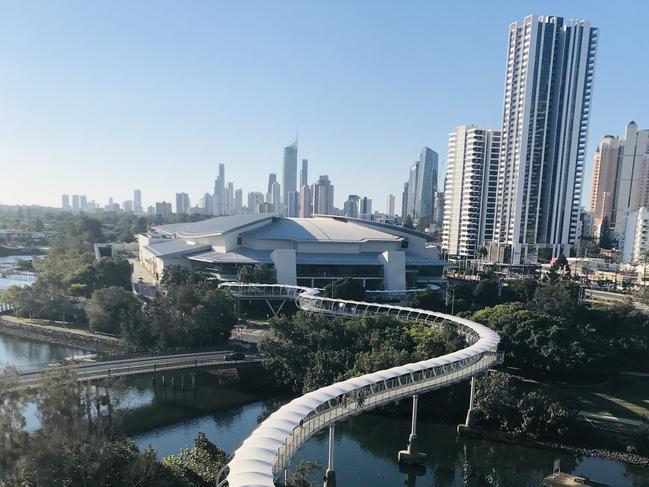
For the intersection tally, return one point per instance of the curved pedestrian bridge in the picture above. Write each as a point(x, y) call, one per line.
point(267, 452)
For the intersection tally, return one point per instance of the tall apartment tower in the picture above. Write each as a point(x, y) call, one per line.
point(272, 179)
point(323, 196)
point(304, 173)
point(218, 201)
point(605, 167)
point(182, 203)
point(137, 202)
point(632, 185)
point(276, 199)
point(389, 204)
point(426, 185)
point(289, 175)
point(404, 201)
point(351, 207)
point(306, 202)
point(470, 192)
point(548, 90)
point(65, 202)
point(412, 190)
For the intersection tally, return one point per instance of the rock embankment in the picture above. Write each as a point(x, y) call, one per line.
point(59, 336)
point(619, 456)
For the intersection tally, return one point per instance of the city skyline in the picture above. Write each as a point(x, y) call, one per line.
point(167, 159)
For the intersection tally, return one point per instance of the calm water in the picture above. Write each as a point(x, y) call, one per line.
point(366, 446)
point(26, 354)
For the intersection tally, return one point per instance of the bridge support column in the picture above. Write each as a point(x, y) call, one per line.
point(330, 474)
point(411, 455)
point(468, 428)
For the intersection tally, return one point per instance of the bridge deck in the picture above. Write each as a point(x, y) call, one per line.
point(146, 365)
point(269, 449)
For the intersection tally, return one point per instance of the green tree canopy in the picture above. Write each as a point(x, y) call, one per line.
point(605, 238)
point(116, 311)
point(347, 288)
point(257, 273)
point(427, 299)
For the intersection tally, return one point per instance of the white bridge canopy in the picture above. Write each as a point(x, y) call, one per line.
point(267, 452)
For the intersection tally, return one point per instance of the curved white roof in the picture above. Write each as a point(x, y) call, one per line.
point(252, 464)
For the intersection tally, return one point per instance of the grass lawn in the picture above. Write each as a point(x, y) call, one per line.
point(623, 396)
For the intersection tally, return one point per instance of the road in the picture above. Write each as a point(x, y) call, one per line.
point(147, 365)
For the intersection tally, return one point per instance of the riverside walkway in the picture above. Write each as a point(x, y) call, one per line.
point(145, 365)
point(266, 454)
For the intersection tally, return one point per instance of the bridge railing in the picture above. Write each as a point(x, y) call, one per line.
point(376, 395)
point(269, 449)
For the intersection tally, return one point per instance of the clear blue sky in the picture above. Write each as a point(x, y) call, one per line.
point(101, 97)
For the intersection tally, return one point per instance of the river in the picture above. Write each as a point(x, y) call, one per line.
point(366, 446)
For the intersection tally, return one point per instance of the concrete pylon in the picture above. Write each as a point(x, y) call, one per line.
point(411, 454)
point(330, 474)
point(468, 427)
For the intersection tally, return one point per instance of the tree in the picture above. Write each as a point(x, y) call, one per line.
point(605, 239)
point(80, 441)
point(407, 222)
point(561, 264)
point(198, 466)
point(303, 473)
point(501, 404)
point(532, 339)
point(557, 298)
point(459, 297)
point(175, 274)
point(111, 271)
point(310, 351)
point(116, 311)
point(347, 288)
point(423, 224)
point(427, 299)
point(482, 252)
point(257, 273)
point(521, 290)
point(486, 293)
point(188, 315)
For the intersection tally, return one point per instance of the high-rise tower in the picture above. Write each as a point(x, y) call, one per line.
point(470, 192)
point(289, 175)
point(548, 90)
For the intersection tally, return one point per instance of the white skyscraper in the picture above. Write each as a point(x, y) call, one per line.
point(65, 202)
point(218, 202)
point(548, 89)
point(470, 193)
point(182, 203)
point(632, 176)
point(389, 204)
point(137, 202)
point(306, 202)
point(289, 175)
point(323, 196)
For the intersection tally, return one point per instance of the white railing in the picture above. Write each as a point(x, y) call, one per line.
point(269, 449)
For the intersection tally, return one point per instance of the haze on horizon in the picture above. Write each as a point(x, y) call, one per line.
point(100, 98)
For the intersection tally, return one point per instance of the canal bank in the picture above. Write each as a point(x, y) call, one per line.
point(54, 335)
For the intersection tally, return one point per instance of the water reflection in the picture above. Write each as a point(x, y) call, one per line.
point(24, 353)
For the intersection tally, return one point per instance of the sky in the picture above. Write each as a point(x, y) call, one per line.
point(103, 97)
